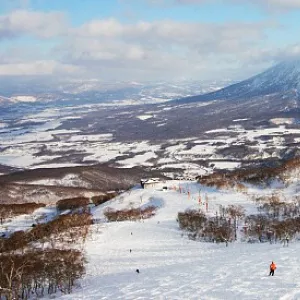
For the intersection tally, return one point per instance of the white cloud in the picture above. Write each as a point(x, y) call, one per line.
point(48, 67)
point(108, 48)
point(159, 48)
point(106, 37)
point(170, 31)
point(289, 4)
point(37, 24)
point(107, 27)
point(273, 4)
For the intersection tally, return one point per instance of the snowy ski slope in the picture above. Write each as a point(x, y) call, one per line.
point(172, 266)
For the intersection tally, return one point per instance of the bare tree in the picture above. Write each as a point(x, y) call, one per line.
point(235, 212)
point(12, 268)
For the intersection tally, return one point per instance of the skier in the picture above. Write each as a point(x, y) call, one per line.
point(286, 240)
point(272, 268)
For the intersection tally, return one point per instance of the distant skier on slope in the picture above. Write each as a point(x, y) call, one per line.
point(272, 268)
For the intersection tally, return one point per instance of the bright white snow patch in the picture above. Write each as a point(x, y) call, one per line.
point(229, 165)
point(190, 170)
point(280, 121)
point(56, 165)
point(22, 159)
point(239, 120)
point(24, 98)
point(217, 130)
point(138, 160)
point(91, 137)
point(200, 150)
point(145, 117)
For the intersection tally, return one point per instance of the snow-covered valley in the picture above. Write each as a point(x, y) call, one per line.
point(75, 136)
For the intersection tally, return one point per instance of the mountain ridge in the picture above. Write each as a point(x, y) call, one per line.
point(279, 80)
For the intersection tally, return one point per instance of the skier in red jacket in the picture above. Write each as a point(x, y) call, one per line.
point(272, 268)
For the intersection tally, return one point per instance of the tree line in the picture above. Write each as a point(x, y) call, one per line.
point(8, 211)
point(81, 202)
point(276, 221)
point(220, 228)
point(40, 260)
point(258, 175)
point(36, 272)
point(131, 214)
point(74, 225)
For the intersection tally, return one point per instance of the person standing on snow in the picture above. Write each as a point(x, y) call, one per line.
point(272, 268)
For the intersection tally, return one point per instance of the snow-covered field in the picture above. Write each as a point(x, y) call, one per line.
point(39, 139)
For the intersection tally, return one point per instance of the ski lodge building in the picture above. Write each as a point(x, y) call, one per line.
point(150, 183)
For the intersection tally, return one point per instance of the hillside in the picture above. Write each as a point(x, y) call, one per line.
point(172, 266)
point(282, 80)
point(179, 262)
point(51, 185)
point(285, 174)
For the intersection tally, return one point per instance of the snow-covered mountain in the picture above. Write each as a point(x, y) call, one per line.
point(34, 91)
point(282, 80)
point(5, 100)
point(69, 92)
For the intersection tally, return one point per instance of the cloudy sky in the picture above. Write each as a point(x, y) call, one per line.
point(146, 39)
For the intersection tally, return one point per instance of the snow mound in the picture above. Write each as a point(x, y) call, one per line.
point(24, 99)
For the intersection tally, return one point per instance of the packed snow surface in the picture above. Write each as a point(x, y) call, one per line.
point(172, 266)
